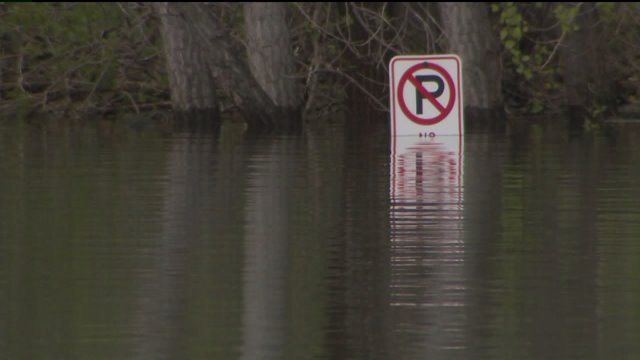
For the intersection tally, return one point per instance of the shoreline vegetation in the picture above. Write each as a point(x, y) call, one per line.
point(80, 61)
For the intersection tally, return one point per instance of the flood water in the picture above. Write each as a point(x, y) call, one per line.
point(142, 245)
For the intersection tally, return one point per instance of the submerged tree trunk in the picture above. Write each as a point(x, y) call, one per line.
point(223, 61)
point(270, 54)
point(469, 34)
point(586, 81)
point(192, 85)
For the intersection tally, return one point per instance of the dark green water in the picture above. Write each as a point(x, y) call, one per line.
point(323, 246)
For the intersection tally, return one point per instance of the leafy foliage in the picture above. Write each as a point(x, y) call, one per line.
point(534, 36)
point(80, 57)
point(99, 58)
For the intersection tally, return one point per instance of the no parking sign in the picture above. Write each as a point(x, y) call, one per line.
point(426, 95)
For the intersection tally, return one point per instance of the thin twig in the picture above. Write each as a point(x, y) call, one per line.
point(135, 106)
point(555, 49)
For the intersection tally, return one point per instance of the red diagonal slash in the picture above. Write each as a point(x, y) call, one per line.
point(408, 77)
point(426, 94)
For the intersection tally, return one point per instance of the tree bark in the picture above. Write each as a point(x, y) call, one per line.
point(416, 23)
point(192, 85)
point(586, 82)
point(224, 62)
point(469, 34)
point(270, 55)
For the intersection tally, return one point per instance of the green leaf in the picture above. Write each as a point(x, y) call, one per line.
point(510, 44)
point(536, 107)
point(528, 74)
point(517, 33)
point(504, 33)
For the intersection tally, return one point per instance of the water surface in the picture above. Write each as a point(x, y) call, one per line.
point(518, 245)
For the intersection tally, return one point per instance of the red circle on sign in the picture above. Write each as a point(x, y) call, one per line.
point(443, 110)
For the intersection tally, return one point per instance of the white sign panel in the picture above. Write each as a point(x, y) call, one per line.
point(426, 95)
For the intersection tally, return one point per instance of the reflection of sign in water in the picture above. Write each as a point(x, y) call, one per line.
point(430, 166)
point(426, 95)
point(427, 253)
